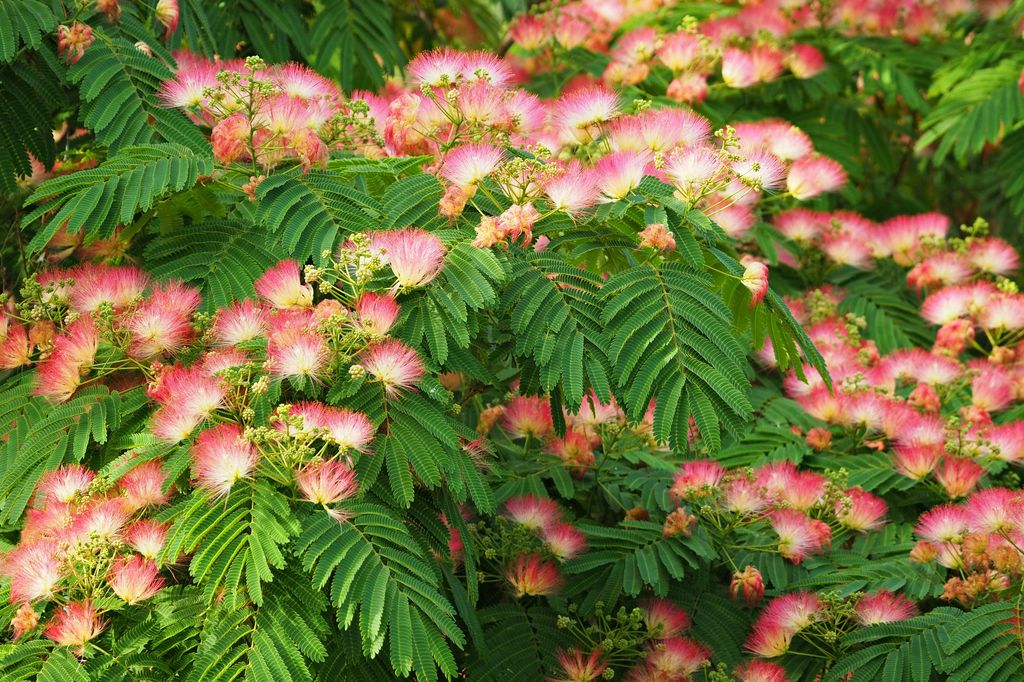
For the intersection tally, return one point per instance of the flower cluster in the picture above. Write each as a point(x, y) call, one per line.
point(980, 540)
point(795, 513)
point(88, 546)
point(805, 619)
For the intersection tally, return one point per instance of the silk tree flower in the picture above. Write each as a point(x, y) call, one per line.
point(394, 364)
point(75, 624)
point(281, 286)
point(884, 607)
point(536, 513)
point(657, 237)
point(738, 68)
point(415, 256)
point(343, 427)
point(187, 396)
point(134, 579)
point(578, 666)
point(34, 569)
point(167, 14)
point(564, 541)
point(747, 584)
point(664, 619)
point(761, 671)
point(163, 322)
point(531, 575)
point(993, 256)
point(98, 284)
point(814, 175)
point(297, 354)
point(759, 170)
point(221, 457)
point(143, 486)
point(241, 321)
point(527, 417)
point(695, 477)
point(328, 482)
point(805, 61)
point(688, 88)
point(619, 173)
point(676, 658)
point(376, 313)
point(467, 165)
point(574, 190)
point(578, 113)
point(755, 279)
point(146, 536)
point(798, 535)
point(72, 41)
point(63, 484)
point(862, 511)
point(679, 51)
point(958, 475)
point(530, 31)
point(945, 523)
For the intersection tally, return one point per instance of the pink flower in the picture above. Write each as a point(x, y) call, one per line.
point(664, 619)
point(994, 511)
point(134, 579)
point(679, 51)
point(864, 511)
point(75, 624)
point(437, 68)
point(958, 475)
point(34, 570)
point(63, 484)
point(813, 175)
point(761, 671)
point(688, 88)
point(738, 68)
point(916, 461)
point(376, 313)
point(229, 139)
point(146, 537)
point(805, 61)
point(994, 256)
point(73, 354)
point(187, 396)
point(327, 482)
point(241, 321)
point(167, 14)
point(755, 279)
point(536, 513)
point(747, 584)
point(73, 40)
point(221, 457)
point(467, 165)
point(416, 256)
point(394, 364)
point(619, 173)
point(578, 666)
point(573, 191)
point(163, 322)
point(98, 284)
point(564, 541)
point(675, 659)
point(530, 31)
point(341, 426)
point(281, 286)
point(531, 575)
point(527, 417)
point(657, 236)
point(759, 170)
point(143, 486)
point(798, 536)
point(884, 607)
point(944, 523)
point(578, 113)
point(696, 478)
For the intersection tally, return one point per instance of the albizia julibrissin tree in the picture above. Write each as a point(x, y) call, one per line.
point(451, 379)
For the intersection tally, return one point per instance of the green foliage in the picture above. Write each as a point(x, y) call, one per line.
point(947, 642)
point(40, 436)
point(23, 21)
point(221, 257)
point(519, 643)
point(118, 85)
point(235, 543)
point(355, 43)
point(555, 314)
point(670, 340)
point(95, 201)
point(377, 571)
point(27, 97)
point(624, 560)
